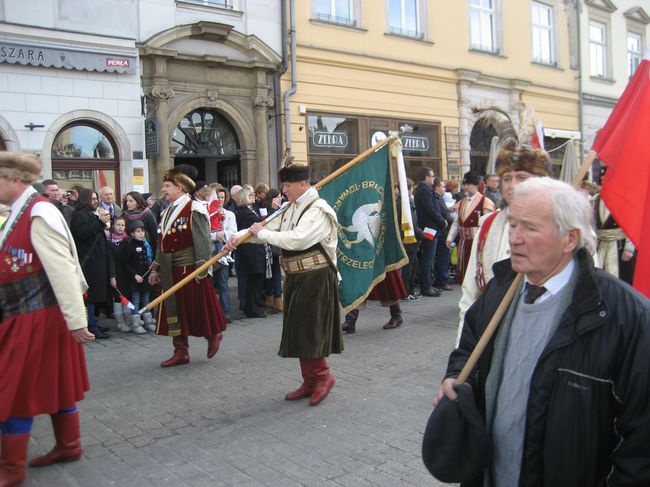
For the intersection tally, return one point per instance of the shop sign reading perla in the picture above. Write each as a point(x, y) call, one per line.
point(332, 140)
point(53, 56)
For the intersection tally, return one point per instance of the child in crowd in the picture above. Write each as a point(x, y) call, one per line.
point(139, 259)
point(118, 241)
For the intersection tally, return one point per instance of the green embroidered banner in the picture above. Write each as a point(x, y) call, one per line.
point(369, 241)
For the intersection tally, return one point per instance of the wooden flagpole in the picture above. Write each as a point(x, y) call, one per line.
point(206, 265)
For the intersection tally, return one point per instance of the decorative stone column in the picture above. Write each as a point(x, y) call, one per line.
point(262, 104)
point(160, 96)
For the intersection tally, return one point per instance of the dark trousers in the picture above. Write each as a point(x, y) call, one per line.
point(254, 287)
point(242, 277)
point(428, 249)
point(273, 286)
point(409, 271)
point(441, 264)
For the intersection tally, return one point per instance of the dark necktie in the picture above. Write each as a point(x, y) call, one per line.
point(533, 292)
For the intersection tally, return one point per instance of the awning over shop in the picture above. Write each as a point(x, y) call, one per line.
point(35, 54)
point(562, 134)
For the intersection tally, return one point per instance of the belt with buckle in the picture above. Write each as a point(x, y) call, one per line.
point(304, 262)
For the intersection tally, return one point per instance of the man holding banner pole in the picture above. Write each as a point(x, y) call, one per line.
point(307, 235)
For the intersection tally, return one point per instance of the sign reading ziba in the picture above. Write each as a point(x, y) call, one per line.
point(415, 143)
point(331, 140)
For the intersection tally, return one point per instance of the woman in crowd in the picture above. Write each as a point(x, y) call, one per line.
point(136, 208)
point(88, 227)
point(223, 225)
point(253, 256)
point(273, 284)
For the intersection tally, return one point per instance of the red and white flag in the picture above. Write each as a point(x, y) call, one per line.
point(623, 145)
point(429, 233)
point(124, 301)
point(538, 135)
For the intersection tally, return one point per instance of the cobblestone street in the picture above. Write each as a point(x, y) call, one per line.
point(225, 421)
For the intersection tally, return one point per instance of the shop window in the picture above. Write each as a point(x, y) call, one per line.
point(333, 135)
point(336, 139)
point(84, 155)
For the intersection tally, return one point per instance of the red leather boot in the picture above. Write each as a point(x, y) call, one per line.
point(68, 441)
point(307, 386)
point(13, 459)
point(181, 353)
point(213, 344)
point(323, 381)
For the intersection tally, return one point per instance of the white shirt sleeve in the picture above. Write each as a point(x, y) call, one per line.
point(60, 266)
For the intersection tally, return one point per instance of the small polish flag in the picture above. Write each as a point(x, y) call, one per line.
point(429, 233)
point(125, 302)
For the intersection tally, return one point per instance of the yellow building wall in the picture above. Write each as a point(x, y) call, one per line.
point(364, 71)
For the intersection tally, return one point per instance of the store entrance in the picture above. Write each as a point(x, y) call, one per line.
point(206, 140)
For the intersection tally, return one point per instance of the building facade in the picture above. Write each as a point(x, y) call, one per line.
point(614, 35)
point(364, 67)
point(115, 92)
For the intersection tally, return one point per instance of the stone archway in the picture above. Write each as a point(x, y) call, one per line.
point(210, 65)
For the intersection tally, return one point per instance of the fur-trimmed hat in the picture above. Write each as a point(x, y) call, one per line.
point(292, 172)
point(472, 177)
point(180, 179)
point(25, 167)
point(534, 161)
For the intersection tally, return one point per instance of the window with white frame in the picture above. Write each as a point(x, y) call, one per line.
point(482, 24)
point(212, 3)
point(336, 11)
point(633, 52)
point(597, 49)
point(542, 28)
point(404, 18)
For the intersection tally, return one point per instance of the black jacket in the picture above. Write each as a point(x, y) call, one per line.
point(588, 414)
point(253, 255)
point(428, 208)
point(137, 262)
point(94, 255)
point(446, 215)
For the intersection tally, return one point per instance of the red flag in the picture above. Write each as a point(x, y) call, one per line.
point(623, 145)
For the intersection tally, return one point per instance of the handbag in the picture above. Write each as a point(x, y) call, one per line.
point(456, 446)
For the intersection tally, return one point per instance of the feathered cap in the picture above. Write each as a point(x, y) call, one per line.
point(517, 150)
point(292, 172)
point(179, 177)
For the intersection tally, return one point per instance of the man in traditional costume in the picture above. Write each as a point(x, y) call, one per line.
point(491, 243)
point(388, 292)
point(183, 245)
point(616, 252)
point(472, 207)
point(307, 234)
point(42, 363)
